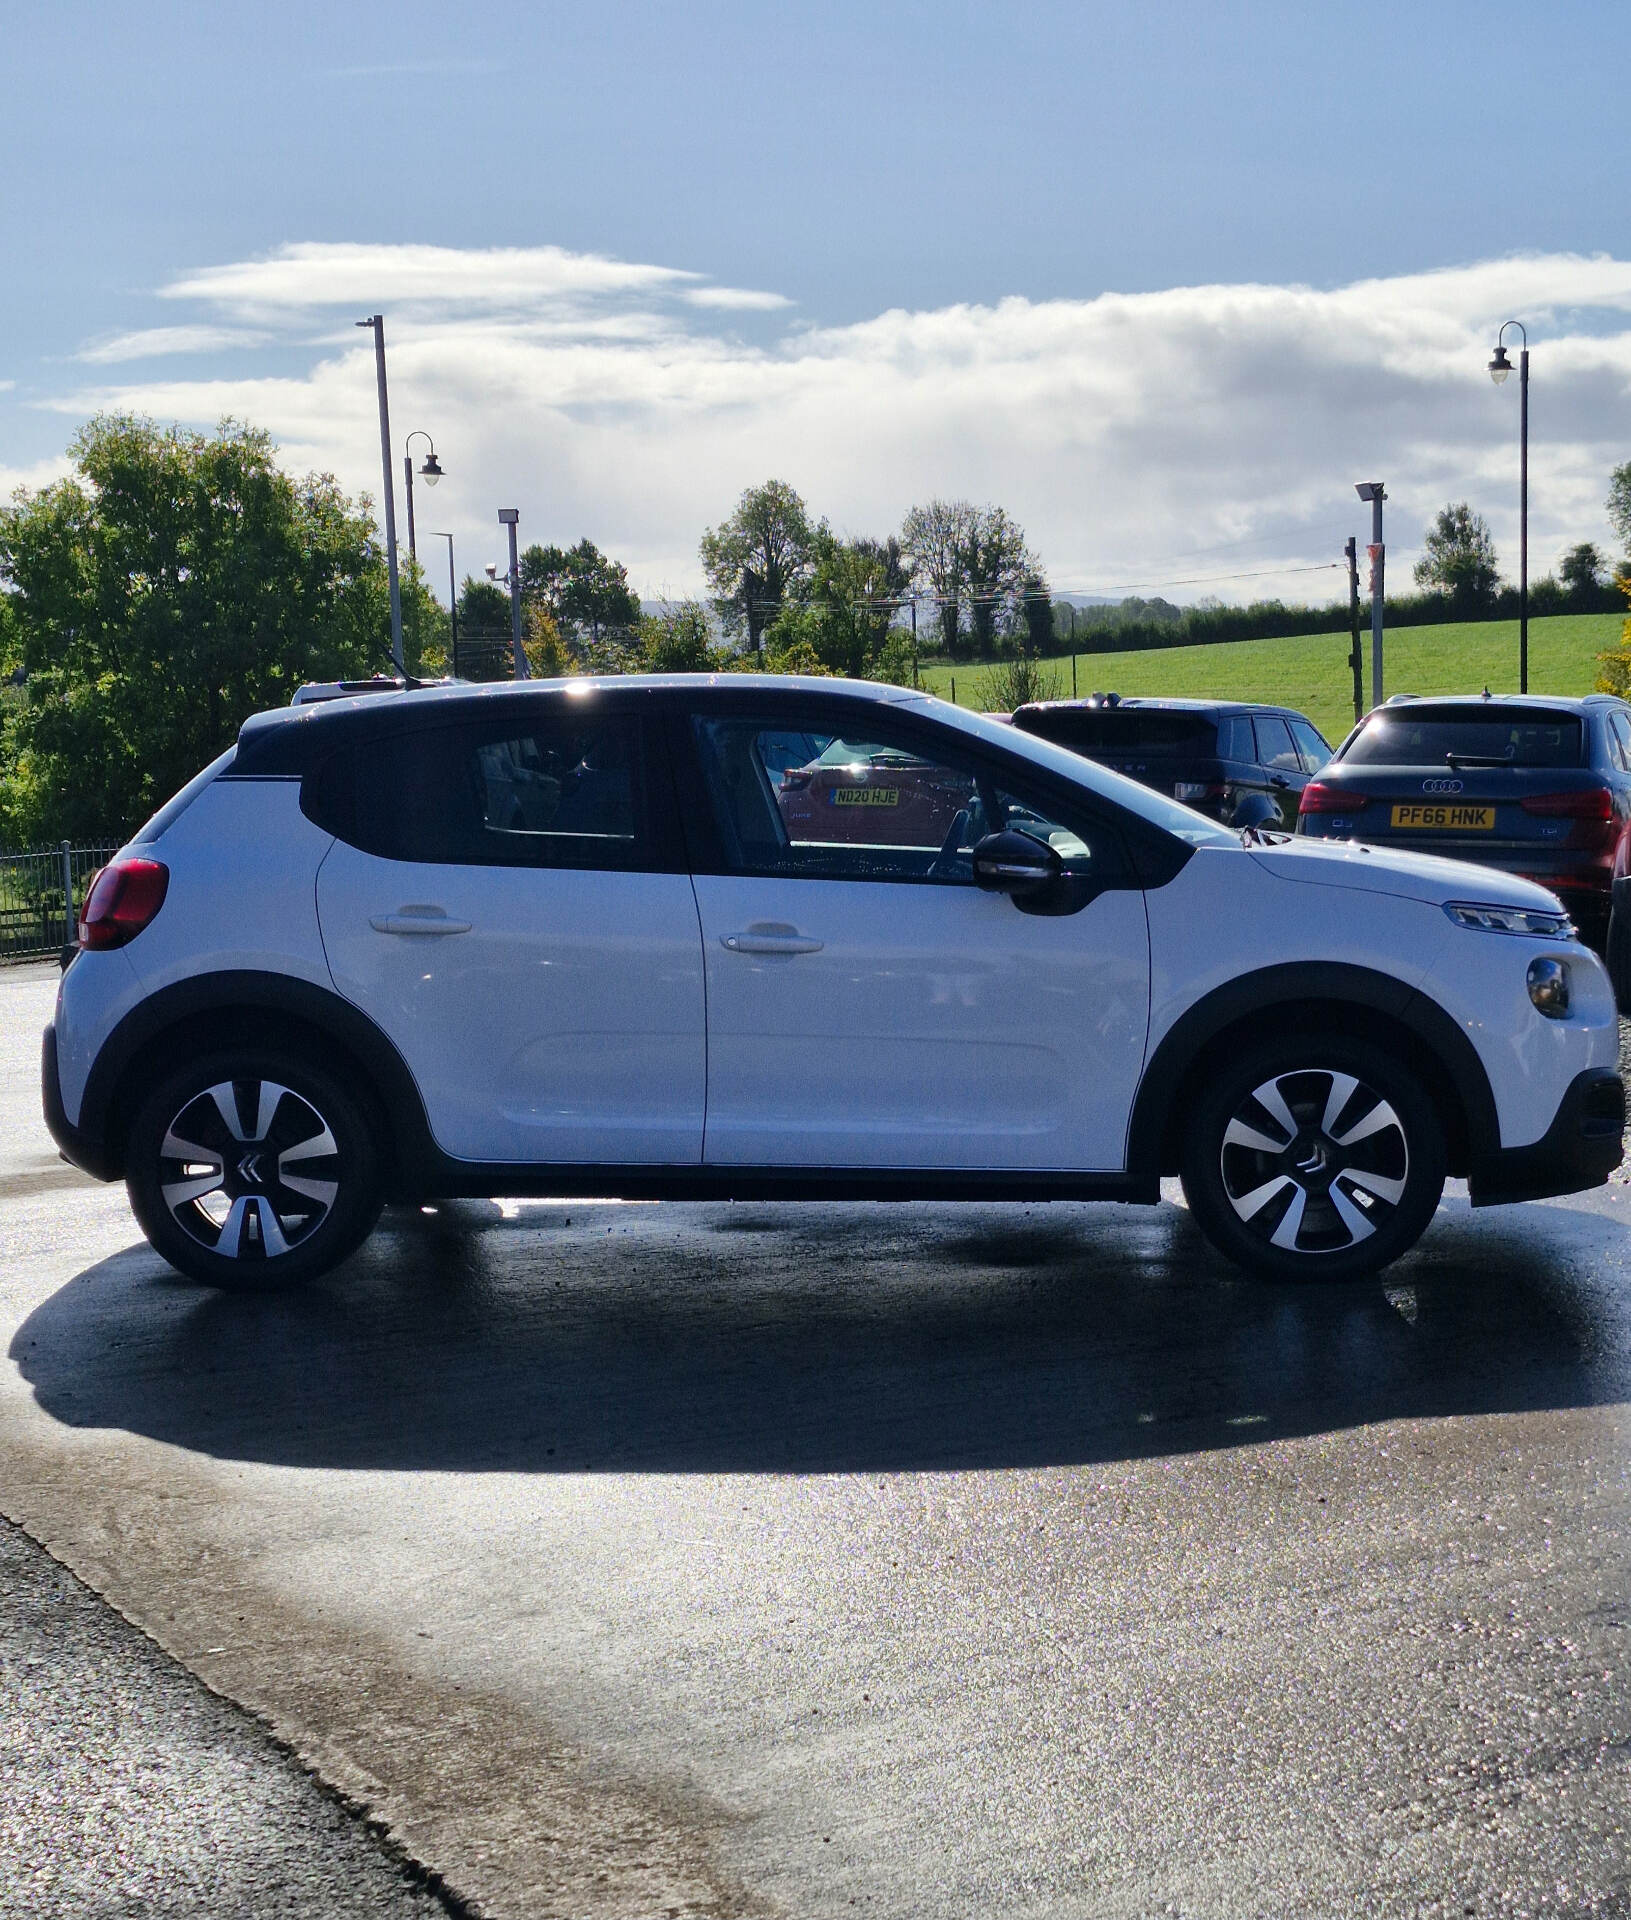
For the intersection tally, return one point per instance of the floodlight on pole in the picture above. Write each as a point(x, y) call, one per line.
point(1375, 493)
point(1499, 368)
point(510, 517)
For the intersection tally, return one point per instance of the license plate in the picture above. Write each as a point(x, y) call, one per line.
point(866, 796)
point(1445, 819)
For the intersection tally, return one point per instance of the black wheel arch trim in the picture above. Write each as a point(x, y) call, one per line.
point(109, 1101)
point(1310, 984)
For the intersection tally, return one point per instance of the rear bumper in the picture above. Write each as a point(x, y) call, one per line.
point(1580, 1149)
point(85, 1150)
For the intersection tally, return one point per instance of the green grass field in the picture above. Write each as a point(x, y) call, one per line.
point(1310, 671)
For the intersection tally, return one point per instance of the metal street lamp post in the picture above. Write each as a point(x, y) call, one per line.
point(377, 322)
point(1375, 493)
point(509, 517)
point(452, 600)
point(1499, 368)
point(430, 473)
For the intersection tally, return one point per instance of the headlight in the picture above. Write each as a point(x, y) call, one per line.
point(1540, 923)
point(1549, 988)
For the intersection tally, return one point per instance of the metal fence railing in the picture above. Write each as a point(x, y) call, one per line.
point(40, 895)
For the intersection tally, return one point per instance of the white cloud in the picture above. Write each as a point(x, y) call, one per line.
point(1145, 439)
point(7, 385)
point(40, 474)
point(321, 274)
point(151, 343)
point(737, 299)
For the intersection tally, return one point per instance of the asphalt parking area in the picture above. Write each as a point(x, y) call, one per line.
point(739, 1560)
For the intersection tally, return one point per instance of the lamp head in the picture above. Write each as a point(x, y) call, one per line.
point(508, 516)
point(1370, 490)
point(431, 471)
point(1500, 366)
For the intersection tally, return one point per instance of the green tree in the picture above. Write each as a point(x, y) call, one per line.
point(485, 643)
point(936, 536)
point(1581, 569)
point(1619, 504)
point(1459, 559)
point(172, 584)
point(854, 593)
point(587, 593)
point(1037, 612)
point(677, 639)
point(759, 559)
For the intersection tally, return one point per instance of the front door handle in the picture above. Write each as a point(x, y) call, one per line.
point(418, 920)
point(770, 939)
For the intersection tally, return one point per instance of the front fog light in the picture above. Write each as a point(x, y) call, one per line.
point(1549, 988)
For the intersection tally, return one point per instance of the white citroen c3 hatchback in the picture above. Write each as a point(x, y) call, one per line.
point(752, 937)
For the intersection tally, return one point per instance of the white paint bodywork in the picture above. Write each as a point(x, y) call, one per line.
point(563, 1022)
point(932, 1026)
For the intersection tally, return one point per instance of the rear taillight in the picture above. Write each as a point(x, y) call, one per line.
point(796, 779)
point(1585, 803)
point(1192, 790)
point(123, 898)
point(1318, 797)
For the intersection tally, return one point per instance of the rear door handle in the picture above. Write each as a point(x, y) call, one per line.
point(770, 940)
point(418, 920)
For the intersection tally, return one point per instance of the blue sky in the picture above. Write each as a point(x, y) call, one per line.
point(845, 164)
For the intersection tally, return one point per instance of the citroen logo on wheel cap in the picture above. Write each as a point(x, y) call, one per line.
point(249, 1169)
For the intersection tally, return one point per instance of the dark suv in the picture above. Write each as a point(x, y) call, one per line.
point(1212, 755)
point(1537, 787)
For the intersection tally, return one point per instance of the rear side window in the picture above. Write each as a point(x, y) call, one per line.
point(1275, 748)
point(178, 803)
point(1124, 730)
point(1619, 734)
point(1235, 739)
point(1432, 736)
point(557, 790)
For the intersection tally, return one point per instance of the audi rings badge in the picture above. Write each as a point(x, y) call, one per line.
point(1441, 786)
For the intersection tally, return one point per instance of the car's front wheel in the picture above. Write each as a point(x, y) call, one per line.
point(252, 1170)
point(1316, 1158)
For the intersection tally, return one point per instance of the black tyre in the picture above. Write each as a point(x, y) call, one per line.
point(253, 1171)
point(1313, 1158)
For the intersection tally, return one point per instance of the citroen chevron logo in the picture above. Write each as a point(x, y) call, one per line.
point(249, 1169)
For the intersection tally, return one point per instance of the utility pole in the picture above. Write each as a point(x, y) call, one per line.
point(508, 517)
point(1375, 493)
point(377, 322)
point(1356, 659)
point(452, 600)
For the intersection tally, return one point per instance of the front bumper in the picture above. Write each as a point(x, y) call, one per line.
point(85, 1150)
point(1580, 1149)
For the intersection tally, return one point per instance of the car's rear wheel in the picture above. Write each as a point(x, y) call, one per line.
point(253, 1171)
point(1313, 1158)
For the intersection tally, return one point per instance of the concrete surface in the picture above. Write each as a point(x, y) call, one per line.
point(127, 1788)
point(921, 1560)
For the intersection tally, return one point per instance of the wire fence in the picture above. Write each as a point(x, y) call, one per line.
point(40, 897)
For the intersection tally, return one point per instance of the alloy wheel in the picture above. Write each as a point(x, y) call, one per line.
point(249, 1169)
point(1314, 1161)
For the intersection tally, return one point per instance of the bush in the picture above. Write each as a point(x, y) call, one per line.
point(1014, 683)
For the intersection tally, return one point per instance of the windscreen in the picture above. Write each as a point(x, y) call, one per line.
point(1124, 730)
point(1420, 736)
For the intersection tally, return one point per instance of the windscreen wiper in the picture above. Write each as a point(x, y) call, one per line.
point(1460, 760)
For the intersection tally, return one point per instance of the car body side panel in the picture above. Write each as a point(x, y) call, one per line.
point(1260, 913)
point(242, 860)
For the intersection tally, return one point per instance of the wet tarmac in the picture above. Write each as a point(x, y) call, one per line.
point(896, 1560)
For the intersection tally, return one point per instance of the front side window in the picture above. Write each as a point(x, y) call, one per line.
point(1311, 744)
point(868, 806)
point(553, 790)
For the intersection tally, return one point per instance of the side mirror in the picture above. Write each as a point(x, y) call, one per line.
point(1015, 863)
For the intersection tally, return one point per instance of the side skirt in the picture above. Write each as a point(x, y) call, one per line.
point(464, 1179)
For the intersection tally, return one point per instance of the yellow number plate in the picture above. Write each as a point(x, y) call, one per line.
point(1450, 819)
point(866, 796)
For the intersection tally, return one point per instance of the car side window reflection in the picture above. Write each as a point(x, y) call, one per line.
point(869, 808)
